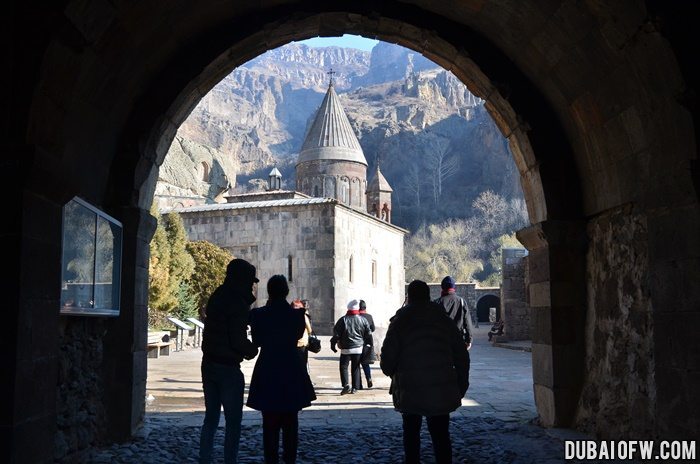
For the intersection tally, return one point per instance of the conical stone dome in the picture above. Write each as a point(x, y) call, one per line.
point(331, 137)
point(331, 163)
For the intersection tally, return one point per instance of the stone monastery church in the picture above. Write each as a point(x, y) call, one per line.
point(332, 237)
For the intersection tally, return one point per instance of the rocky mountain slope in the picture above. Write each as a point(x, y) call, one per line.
point(433, 139)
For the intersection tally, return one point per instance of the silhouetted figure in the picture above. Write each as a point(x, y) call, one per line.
point(350, 333)
point(224, 346)
point(368, 355)
point(280, 386)
point(425, 356)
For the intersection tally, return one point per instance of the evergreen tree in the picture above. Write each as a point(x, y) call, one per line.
point(158, 273)
point(181, 263)
point(210, 263)
point(186, 302)
point(169, 266)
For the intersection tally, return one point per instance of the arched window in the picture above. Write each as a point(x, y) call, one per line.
point(374, 273)
point(344, 190)
point(205, 171)
point(290, 270)
point(316, 192)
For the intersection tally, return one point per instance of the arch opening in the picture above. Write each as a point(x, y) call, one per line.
point(619, 112)
point(488, 309)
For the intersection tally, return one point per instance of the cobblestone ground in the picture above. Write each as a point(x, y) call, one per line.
point(494, 425)
point(477, 440)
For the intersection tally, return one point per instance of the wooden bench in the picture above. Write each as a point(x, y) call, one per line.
point(183, 330)
point(158, 344)
point(198, 328)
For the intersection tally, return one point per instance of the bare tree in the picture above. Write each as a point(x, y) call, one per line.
point(491, 211)
point(443, 166)
point(414, 180)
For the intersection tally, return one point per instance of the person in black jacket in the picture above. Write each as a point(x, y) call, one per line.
point(350, 332)
point(455, 307)
point(224, 346)
point(425, 356)
point(368, 355)
point(280, 386)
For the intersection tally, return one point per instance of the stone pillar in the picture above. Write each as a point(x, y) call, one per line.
point(124, 367)
point(557, 297)
point(32, 249)
point(515, 312)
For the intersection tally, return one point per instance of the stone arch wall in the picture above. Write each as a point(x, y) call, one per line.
point(590, 96)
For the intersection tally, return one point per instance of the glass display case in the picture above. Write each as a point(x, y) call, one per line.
point(91, 261)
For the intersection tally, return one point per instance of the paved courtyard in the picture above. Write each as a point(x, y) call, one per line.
point(496, 423)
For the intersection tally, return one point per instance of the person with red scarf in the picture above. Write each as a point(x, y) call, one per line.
point(456, 308)
point(350, 333)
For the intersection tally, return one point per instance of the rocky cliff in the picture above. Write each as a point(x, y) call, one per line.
point(409, 114)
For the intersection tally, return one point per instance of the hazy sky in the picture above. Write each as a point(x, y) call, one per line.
point(350, 41)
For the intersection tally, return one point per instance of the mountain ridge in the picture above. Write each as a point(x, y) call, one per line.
point(403, 108)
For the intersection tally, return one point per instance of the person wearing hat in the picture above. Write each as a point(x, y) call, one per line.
point(351, 332)
point(368, 355)
point(455, 307)
point(424, 355)
point(224, 345)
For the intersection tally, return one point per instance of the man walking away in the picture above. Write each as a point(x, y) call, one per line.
point(350, 332)
point(425, 356)
point(224, 346)
point(456, 308)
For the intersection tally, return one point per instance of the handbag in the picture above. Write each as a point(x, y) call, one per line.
point(368, 355)
point(314, 343)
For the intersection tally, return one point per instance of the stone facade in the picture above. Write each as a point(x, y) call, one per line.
point(345, 181)
point(619, 329)
point(311, 241)
point(79, 408)
point(515, 312)
point(375, 249)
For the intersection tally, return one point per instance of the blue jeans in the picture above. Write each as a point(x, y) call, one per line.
point(223, 385)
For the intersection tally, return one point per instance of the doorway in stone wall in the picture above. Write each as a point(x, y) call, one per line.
point(488, 309)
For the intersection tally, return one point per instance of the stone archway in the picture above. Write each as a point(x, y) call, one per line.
point(483, 308)
point(591, 98)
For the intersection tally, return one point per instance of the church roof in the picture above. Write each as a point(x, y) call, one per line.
point(254, 204)
point(378, 183)
point(331, 137)
point(281, 203)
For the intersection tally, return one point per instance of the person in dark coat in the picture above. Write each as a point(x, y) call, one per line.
point(368, 355)
point(280, 386)
point(351, 332)
point(425, 356)
point(224, 346)
point(455, 307)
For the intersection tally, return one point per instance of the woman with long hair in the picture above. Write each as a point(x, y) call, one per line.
point(280, 386)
